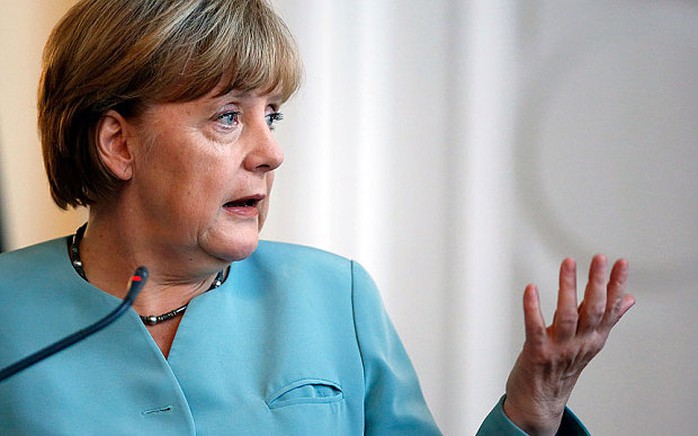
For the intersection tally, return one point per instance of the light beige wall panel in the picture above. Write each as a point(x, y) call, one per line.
point(29, 215)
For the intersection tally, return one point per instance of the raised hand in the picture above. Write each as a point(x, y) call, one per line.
point(553, 357)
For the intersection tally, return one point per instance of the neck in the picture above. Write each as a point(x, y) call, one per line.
point(112, 249)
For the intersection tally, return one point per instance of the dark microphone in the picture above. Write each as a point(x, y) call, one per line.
point(136, 284)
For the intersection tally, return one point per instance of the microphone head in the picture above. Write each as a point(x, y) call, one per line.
point(141, 272)
point(140, 276)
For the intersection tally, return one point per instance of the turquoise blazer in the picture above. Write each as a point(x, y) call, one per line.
point(296, 341)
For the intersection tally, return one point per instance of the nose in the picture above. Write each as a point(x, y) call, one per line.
point(264, 152)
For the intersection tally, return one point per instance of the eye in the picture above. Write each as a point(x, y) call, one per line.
point(272, 118)
point(229, 119)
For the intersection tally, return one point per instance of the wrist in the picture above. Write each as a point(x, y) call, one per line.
point(534, 422)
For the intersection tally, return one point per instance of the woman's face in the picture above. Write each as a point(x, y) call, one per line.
point(203, 172)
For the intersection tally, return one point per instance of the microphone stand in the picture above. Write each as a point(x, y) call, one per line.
point(136, 284)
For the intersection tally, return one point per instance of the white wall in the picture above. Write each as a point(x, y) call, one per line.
point(460, 149)
point(607, 159)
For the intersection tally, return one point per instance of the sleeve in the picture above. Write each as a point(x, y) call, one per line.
point(497, 423)
point(393, 401)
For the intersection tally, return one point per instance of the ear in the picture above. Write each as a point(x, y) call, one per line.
point(113, 145)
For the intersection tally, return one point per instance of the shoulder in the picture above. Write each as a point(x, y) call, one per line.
point(298, 269)
point(286, 256)
point(33, 259)
point(303, 253)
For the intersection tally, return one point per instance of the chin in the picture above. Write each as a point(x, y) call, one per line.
point(240, 250)
point(231, 242)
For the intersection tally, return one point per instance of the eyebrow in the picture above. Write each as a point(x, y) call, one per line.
point(273, 97)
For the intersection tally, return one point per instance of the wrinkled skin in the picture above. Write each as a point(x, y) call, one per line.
point(553, 357)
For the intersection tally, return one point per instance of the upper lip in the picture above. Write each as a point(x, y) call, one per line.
point(249, 201)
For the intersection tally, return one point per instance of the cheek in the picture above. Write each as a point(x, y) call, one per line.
point(262, 216)
point(198, 177)
point(270, 182)
point(264, 207)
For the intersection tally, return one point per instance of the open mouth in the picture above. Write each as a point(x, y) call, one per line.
point(252, 201)
point(242, 203)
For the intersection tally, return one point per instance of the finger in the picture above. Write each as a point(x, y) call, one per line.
point(536, 334)
point(565, 322)
point(618, 300)
point(628, 302)
point(594, 304)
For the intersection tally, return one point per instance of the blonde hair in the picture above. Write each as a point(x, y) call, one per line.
point(127, 54)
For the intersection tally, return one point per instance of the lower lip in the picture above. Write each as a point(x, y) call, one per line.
point(243, 211)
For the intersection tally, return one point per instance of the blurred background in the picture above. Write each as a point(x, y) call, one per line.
point(460, 149)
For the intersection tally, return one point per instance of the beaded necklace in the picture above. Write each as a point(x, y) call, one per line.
point(149, 319)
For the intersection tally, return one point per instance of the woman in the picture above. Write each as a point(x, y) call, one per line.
point(158, 116)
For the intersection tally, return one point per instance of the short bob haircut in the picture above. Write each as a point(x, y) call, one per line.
point(127, 54)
